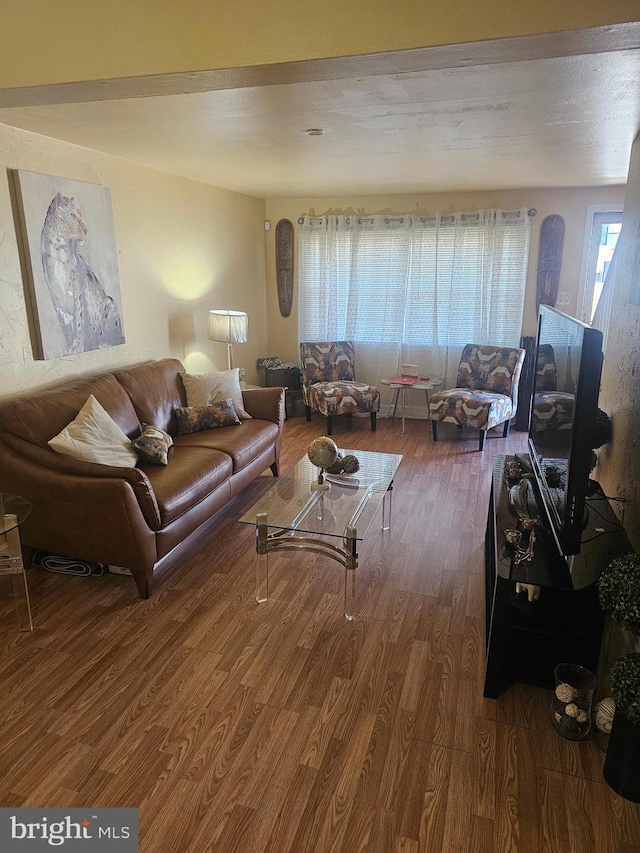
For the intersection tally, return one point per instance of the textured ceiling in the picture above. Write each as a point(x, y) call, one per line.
point(566, 121)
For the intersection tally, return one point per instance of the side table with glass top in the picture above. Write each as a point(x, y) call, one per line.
point(425, 385)
point(13, 511)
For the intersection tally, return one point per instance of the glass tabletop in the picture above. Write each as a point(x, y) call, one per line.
point(351, 500)
point(420, 385)
point(13, 511)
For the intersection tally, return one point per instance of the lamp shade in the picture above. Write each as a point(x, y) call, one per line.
point(230, 327)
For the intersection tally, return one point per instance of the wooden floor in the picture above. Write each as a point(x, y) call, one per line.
point(282, 727)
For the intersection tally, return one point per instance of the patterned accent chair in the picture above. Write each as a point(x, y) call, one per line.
point(486, 392)
point(552, 409)
point(329, 382)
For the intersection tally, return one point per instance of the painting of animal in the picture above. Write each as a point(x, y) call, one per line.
point(71, 265)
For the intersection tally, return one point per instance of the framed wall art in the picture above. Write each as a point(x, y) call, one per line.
point(70, 264)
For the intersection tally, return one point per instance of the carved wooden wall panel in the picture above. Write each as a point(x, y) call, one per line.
point(549, 259)
point(284, 265)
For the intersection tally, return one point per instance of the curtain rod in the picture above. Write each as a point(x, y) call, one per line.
point(532, 211)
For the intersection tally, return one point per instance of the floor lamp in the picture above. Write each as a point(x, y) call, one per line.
point(229, 327)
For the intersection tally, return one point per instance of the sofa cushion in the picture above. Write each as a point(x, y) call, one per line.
point(193, 474)
point(199, 418)
point(479, 409)
point(155, 390)
point(38, 418)
point(242, 444)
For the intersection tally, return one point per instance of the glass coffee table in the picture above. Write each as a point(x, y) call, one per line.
point(293, 516)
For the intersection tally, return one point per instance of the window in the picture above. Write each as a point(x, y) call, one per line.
point(410, 288)
point(601, 236)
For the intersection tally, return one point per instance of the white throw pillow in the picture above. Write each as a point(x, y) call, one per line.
point(93, 436)
point(203, 389)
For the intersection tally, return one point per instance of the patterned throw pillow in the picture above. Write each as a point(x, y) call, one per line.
point(198, 418)
point(152, 445)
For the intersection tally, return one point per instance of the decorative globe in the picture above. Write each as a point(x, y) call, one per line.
point(322, 452)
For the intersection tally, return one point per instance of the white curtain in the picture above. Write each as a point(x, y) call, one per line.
point(413, 289)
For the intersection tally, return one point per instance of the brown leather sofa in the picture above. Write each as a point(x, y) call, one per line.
point(130, 517)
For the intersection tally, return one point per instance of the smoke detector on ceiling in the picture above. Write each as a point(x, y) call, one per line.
point(314, 131)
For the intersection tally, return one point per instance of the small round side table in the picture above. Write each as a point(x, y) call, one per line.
point(13, 511)
point(425, 385)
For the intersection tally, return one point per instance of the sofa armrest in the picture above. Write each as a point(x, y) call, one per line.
point(266, 404)
point(95, 518)
point(46, 462)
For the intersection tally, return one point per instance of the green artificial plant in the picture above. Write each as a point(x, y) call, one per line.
point(619, 591)
point(625, 686)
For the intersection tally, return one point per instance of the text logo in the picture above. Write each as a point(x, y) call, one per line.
point(31, 830)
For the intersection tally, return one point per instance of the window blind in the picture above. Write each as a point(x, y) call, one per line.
point(406, 286)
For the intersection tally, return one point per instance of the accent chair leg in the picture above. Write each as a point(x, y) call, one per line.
point(307, 412)
point(373, 421)
point(435, 427)
point(274, 468)
point(483, 438)
point(506, 428)
point(329, 425)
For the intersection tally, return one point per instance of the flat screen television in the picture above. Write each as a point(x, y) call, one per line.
point(563, 418)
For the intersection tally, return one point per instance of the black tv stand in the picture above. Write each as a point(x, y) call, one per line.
point(526, 639)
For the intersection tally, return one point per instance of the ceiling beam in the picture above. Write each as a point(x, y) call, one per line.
point(594, 40)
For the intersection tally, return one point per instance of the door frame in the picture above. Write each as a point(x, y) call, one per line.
point(585, 298)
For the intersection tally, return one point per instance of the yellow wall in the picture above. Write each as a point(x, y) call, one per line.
point(569, 203)
point(45, 42)
point(183, 248)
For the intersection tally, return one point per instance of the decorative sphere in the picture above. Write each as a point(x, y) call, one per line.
point(512, 536)
point(572, 710)
point(565, 692)
point(569, 726)
point(350, 464)
point(322, 452)
point(344, 465)
point(604, 714)
point(335, 467)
